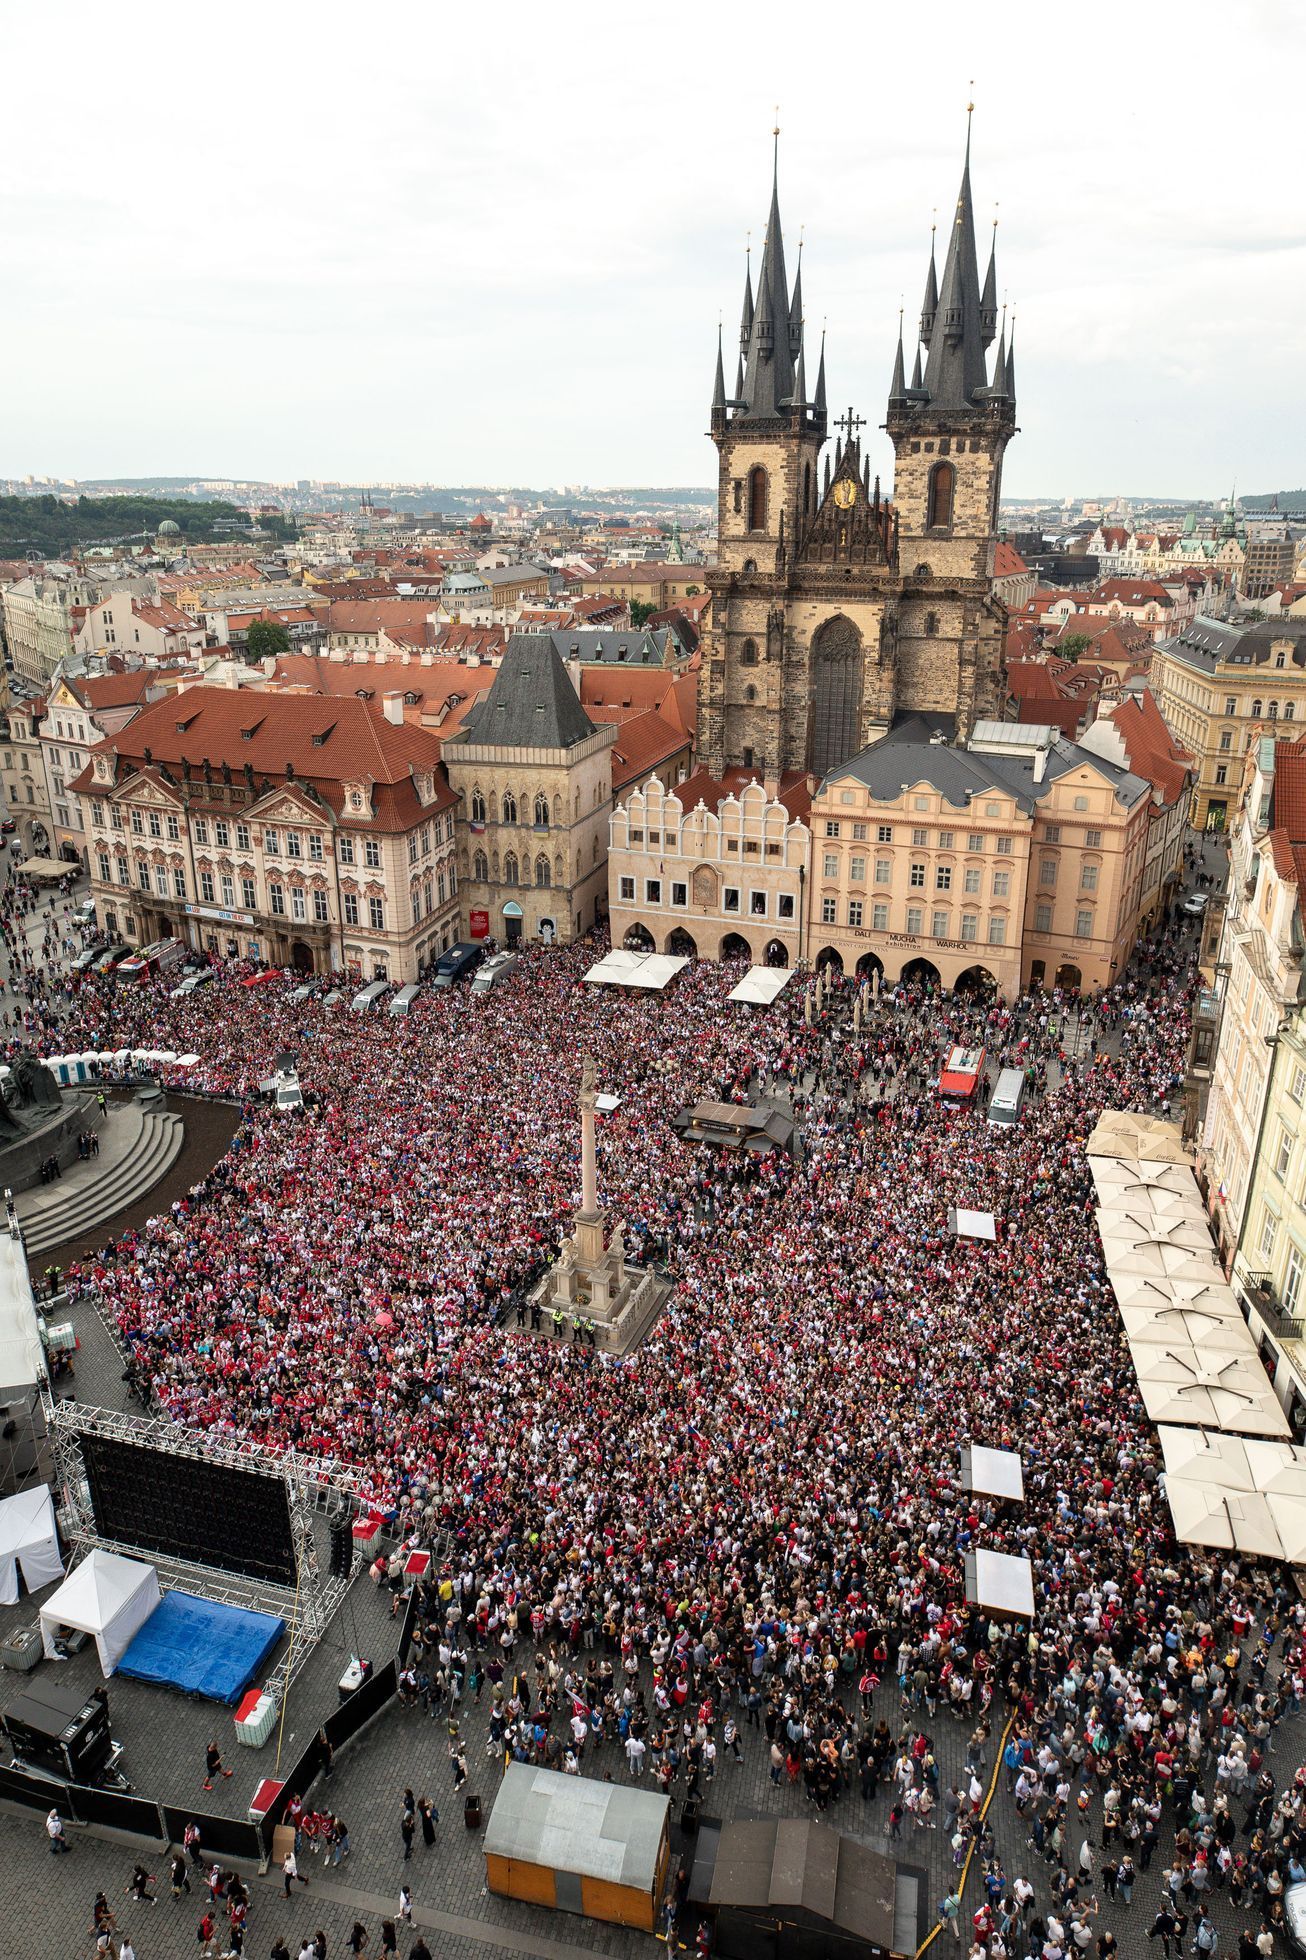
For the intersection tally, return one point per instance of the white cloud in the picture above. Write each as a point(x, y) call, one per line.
point(461, 245)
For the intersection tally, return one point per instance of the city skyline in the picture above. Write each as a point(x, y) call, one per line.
point(433, 281)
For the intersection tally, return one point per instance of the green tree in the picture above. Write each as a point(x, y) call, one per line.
point(266, 636)
point(1073, 646)
point(692, 591)
point(640, 612)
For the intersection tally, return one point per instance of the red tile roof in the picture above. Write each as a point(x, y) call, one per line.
point(644, 741)
point(795, 790)
point(1007, 561)
point(370, 615)
point(1152, 750)
point(327, 742)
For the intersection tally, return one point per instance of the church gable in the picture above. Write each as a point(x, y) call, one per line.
point(852, 526)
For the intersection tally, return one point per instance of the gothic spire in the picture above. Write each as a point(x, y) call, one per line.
point(1011, 361)
point(930, 304)
point(998, 386)
point(898, 386)
point(769, 364)
point(719, 386)
point(989, 297)
point(917, 386)
point(796, 305)
point(746, 318)
point(955, 375)
point(818, 405)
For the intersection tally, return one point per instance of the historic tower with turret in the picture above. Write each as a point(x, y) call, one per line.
point(835, 610)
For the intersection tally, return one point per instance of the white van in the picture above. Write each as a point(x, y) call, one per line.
point(496, 968)
point(403, 1000)
point(366, 1000)
point(1007, 1098)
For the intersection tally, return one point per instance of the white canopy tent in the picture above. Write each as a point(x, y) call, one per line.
point(619, 968)
point(1000, 1585)
point(972, 1224)
point(993, 1473)
point(106, 1595)
point(29, 1544)
point(762, 984)
point(1215, 1333)
point(1236, 1492)
point(1233, 1520)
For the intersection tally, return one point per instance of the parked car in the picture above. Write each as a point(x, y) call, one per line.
point(109, 957)
point(192, 983)
point(457, 963)
point(84, 914)
point(1195, 904)
point(87, 959)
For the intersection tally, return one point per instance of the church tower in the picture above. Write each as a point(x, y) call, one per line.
point(768, 436)
point(950, 427)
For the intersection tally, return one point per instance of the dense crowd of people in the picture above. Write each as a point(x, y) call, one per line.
point(756, 1521)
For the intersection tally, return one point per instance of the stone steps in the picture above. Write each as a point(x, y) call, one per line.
point(146, 1144)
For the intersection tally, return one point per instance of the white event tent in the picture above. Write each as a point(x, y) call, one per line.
point(106, 1595)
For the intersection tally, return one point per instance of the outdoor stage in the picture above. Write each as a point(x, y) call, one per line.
point(201, 1647)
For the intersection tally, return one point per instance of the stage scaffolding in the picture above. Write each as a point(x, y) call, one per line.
point(314, 1490)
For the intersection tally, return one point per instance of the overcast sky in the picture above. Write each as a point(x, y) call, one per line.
point(491, 244)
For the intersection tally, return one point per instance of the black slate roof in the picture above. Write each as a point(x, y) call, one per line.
point(531, 703)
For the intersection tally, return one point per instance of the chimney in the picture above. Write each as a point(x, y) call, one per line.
point(392, 706)
point(1040, 763)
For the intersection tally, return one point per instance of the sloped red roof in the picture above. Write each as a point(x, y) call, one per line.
point(795, 792)
point(643, 741)
point(1152, 750)
point(1007, 561)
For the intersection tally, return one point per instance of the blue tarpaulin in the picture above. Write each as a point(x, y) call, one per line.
point(201, 1647)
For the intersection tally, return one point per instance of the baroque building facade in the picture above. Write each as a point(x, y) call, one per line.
point(834, 608)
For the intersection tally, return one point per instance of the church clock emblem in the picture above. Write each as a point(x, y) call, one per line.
point(845, 493)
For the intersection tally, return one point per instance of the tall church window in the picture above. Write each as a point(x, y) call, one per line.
point(836, 695)
point(541, 811)
point(757, 489)
point(943, 481)
point(748, 654)
point(478, 807)
point(807, 486)
point(542, 873)
point(480, 867)
point(510, 869)
point(509, 807)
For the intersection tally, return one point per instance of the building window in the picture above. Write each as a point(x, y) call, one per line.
point(1047, 871)
point(859, 833)
point(478, 807)
point(481, 868)
point(757, 489)
point(829, 911)
point(1256, 710)
point(832, 826)
point(106, 871)
point(206, 887)
point(228, 892)
point(943, 479)
point(222, 834)
point(179, 884)
point(748, 654)
point(679, 894)
point(757, 905)
point(242, 836)
point(543, 876)
point(1002, 884)
point(997, 930)
point(884, 871)
point(1043, 917)
point(1079, 803)
point(541, 812)
point(351, 908)
point(854, 911)
point(1088, 878)
point(1052, 834)
point(173, 827)
point(857, 870)
point(248, 893)
point(1289, 711)
point(376, 914)
point(298, 903)
point(880, 918)
point(1283, 1153)
point(1230, 705)
point(884, 833)
point(939, 925)
point(277, 898)
point(156, 825)
point(271, 843)
point(970, 925)
point(510, 871)
point(346, 850)
point(945, 840)
point(915, 920)
point(1083, 925)
point(920, 838)
point(315, 846)
point(970, 881)
point(1093, 839)
point(916, 877)
point(294, 846)
point(1292, 1280)
point(1297, 1087)
point(1269, 1233)
point(975, 842)
point(830, 865)
point(652, 891)
point(509, 807)
point(1226, 740)
point(784, 906)
point(372, 853)
point(1006, 847)
point(138, 826)
point(943, 877)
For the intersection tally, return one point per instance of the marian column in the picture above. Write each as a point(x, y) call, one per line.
point(589, 1169)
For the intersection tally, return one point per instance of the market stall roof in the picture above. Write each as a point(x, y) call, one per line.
point(577, 1824)
point(1001, 1585)
point(787, 1865)
point(1241, 1411)
point(1235, 1491)
point(1126, 1136)
point(619, 968)
point(1164, 1290)
point(1190, 1234)
point(762, 984)
point(992, 1473)
point(1113, 1176)
point(1232, 1520)
point(1164, 1262)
